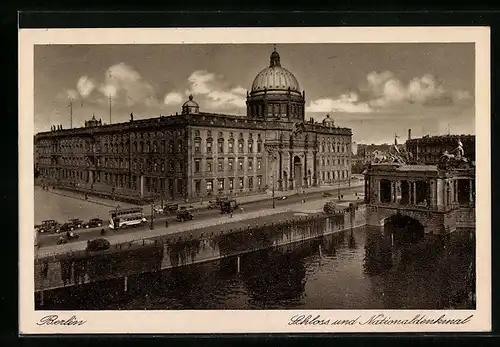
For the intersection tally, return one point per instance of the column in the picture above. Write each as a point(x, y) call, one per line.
point(439, 192)
point(305, 170)
point(315, 177)
point(378, 191)
point(393, 192)
point(141, 185)
point(414, 193)
point(398, 191)
point(290, 174)
point(280, 169)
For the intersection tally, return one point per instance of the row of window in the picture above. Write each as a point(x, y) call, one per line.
point(232, 183)
point(333, 161)
point(230, 164)
point(334, 175)
point(220, 135)
point(230, 146)
point(331, 147)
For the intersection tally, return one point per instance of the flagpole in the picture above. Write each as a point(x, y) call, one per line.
point(110, 109)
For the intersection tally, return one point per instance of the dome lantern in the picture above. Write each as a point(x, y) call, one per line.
point(190, 106)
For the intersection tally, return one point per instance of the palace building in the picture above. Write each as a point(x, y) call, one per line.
point(194, 154)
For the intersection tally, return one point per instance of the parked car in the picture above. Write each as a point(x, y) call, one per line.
point(172, 207)
point(77, 223)
point(325, 194)
point(67, 227)
point(228, 206)
point(186, 207)
point(280, 198)
point(93, 223)
point(184, 215)
point(49, 226)
point(97, 245)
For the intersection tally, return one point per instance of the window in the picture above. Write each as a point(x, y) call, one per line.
point(250, 147)
point(242, 184)
point(197, 145)
point(240, 146)
point(162, 146)
point(220, 164)
point(259, 146)
point(209, 165)
point(155, 147)
point(240, 164)
point(209, 146)
point(231, 183)
point(197, 133)
point(220, 145)
point(250, 182)
point(171, 166)
point(259, 181)
point(162, 166)
point(197, 187)
point(170, 146)
point(179, 146)
point(221, 183)
point(250, 163)
point(209, 133)
point(323, 161)
point(197, 165)
point(210, 186)
point(259, 164)
point(231, 146)
point(230, 163)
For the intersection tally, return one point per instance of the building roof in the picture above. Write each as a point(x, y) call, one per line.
point(417, 168)
point(275, 77)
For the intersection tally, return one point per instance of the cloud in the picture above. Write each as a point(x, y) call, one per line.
point(214, 91)
point(122, 82)
point(345, 103)
point(85, 86)
point(173, 99)
point(383, 91)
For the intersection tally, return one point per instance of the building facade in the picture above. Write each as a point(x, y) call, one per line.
point(194, 155)
point(429, 149)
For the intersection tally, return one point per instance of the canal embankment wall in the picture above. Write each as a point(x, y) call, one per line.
point(190, 247)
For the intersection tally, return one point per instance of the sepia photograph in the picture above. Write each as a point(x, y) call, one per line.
point(330, 182)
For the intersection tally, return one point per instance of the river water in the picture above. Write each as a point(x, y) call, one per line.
point(358, 269)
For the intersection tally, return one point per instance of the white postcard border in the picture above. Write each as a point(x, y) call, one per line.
point(251, 321)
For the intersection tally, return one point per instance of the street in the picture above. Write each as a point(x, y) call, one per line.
point(314, 200)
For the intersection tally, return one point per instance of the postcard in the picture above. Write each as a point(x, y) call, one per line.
point(254, 180)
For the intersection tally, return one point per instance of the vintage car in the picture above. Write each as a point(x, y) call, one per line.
point(228, 206)
point(93, 223)
point(184, 215)
point(77, 223)
point(49, 226)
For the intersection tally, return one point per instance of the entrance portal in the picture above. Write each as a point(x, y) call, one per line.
point(297, 172)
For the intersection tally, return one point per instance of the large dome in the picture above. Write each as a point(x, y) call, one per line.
point(275, 77)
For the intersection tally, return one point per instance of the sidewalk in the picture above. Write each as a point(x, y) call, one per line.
point(268, 195)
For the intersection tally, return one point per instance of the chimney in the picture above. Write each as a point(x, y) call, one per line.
point(409, 134)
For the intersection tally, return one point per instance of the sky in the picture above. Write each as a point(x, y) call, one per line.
point(378, 90)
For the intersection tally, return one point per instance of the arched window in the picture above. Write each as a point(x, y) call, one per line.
point(209, 133)
point(197, 133)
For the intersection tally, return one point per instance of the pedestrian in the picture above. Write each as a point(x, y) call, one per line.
point(103, 232)
point(86, 196)
point(231, 214)
point(166, 223)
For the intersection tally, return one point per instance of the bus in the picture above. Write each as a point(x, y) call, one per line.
point(126, 217)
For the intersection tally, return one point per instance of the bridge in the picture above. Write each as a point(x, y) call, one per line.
point(426, 199)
